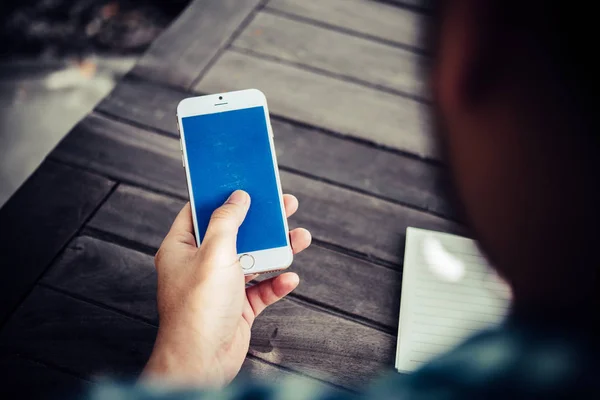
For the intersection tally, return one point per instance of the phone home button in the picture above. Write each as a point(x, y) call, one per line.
point(247, 261)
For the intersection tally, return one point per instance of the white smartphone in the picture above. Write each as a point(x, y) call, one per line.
point(227, 144)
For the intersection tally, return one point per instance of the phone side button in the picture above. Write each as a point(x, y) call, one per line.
point(182, 160)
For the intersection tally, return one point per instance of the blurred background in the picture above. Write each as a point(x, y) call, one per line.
point(58, 58)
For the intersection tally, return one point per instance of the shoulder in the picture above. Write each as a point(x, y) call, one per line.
point(513, 361)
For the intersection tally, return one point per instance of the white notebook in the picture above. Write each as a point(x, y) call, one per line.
point(449, 292)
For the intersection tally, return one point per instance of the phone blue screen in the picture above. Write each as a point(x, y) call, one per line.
point(228, 151)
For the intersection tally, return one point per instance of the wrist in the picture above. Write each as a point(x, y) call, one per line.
point(172, 363)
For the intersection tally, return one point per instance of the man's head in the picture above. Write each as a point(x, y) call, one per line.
point(513, 84)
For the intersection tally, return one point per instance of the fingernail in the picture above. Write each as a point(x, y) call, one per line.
point(238, 197)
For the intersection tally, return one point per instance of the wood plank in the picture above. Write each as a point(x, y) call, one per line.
point(78, 337)
point(334, 52)
point(38, 221)
point(180, 54)
point(144, 102)
point(422, 5)
point(344, 283)
point(355, 221)
point(255, 369)
point(137, 215)
point(393, 176)
point(125, 153)
point(90, 341)
point(27, 379)
point(377, 19)
point(344, 107)
point(83, 267)
point(321, 345)
point(335, 215)
point(287, 334)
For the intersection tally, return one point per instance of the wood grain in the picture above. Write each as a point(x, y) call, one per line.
point(88, 340)
point(254, 369)
point(77, 336)
point(330, 278)
point(344, 107)
point(138, 215)
point(83, 270)
point(394, 176)
point(38, 221)
point(180, 54)
point(94, 314)
point(144, 102)
point(335, 215)
point(125, 153)
point(355, 221)
point(287, 334)
point(321, 345)
point(334, 52)
point(379, 20)
point(27, 379)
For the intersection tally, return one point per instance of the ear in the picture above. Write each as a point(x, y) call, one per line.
point(458, 71)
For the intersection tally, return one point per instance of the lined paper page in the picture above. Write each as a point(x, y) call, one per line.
point(449, 292)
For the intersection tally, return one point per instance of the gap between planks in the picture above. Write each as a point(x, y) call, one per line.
point(148, 249)
point(231, 35)
point(104, 263)
point(119, 179)
point(119, 240)
point(59, 252)
point(297, 123)
point(295, 171)
point(293, 371)
point(341, 77)
point(359, 255)
point(339, 105)
point(152, 324)
point(260, 6)
point(345, 30)
point(420, 6)
point(154, 150)
point(292, 170)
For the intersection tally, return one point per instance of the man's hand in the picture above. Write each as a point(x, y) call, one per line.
point(205, 310)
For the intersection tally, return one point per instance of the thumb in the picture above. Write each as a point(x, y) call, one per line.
point(225, 221)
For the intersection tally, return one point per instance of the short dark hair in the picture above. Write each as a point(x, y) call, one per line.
point(560, 38)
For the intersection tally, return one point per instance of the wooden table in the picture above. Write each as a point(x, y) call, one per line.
point(349, 112)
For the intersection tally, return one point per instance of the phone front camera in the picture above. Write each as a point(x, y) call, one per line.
point(220, 97)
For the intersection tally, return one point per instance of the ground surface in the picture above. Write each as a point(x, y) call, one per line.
point(58, 59)
point(349, 113)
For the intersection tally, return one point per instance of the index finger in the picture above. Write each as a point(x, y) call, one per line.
point(182, 228)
